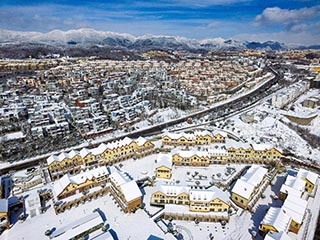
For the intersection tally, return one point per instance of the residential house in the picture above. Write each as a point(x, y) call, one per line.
point(293, 186)
point(125, 190)
point(164, 166)
point(276, 220)
point(244, 189)
point(310, 179)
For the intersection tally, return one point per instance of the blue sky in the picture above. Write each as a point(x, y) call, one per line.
point(290, 21)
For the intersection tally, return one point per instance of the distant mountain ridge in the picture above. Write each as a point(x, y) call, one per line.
point(87, 38)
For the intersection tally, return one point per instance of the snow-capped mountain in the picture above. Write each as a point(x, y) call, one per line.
point(85, 41)
point(88, 37)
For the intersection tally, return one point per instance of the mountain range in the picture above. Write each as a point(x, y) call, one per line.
point(85, 39)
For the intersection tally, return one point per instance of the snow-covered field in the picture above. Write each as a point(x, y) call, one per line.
point(269, 126)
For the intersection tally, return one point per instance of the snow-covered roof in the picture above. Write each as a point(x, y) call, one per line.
point(293, 186)
point(207, 195)
point(164, 160)
point(237, 145)
point(130, 190)
point(179, 135)
point(120, 143)
point(277, 218)
point(218, 150)
point(99, 150)
point(72, 229)
point(104, 236)
point(84, 152)
point(202, 133)
point(310, 176)
point(188, 154)
point(261, 147)
point(277, 236)
point(243, 189)
point(52, 159)
point(63, 182)
point(141, 141)
point(254, 175)
point(119, 178)
point(172, 190)
point(295, 207)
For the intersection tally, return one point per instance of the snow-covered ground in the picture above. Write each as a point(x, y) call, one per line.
point(269, 127)
point(139, 225)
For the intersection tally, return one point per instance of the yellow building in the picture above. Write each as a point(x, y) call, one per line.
point(242, 193)
point(125, 191)
point(104, 154)
point(295, 208)
point(170, 194)
point(164, 166)
point(198, 200)
point(177, 139)
point(70, 185)
point(265, 152)
point(213, 200)
point(276, 220)
point(191, 139)
point(143, 144)
point(203, 137)
point(244, 189)
point(293, 186)
point(310, 179)
point(4, 214)
point(191, 158)
point(64, 163)
point(256, 153)
point(219, 137)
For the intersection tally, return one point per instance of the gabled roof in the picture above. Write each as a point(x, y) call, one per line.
point(78, 179)
point(119, 178)
point(243, 188)
point(99, 150)
point(254, 175)
point(293, 186)
point(141, 141)
point(202, 133)
point(130, 190)
point(215, 132)
point(61, 184)
point(176, 136)
point(84, 152)
point(173, 190)
point(261, 147)
point(277, 218)
point(310, 176)
point(164, 160)
point(52, 159)
point(295, 207)
point(207, 195)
